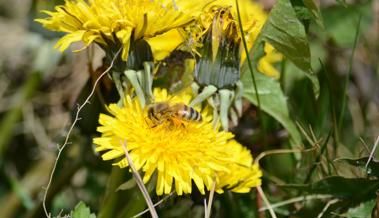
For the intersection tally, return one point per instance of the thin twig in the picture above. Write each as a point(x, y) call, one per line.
point(282, 151)
point(262, 194)
point(294, 200)
point(318, 158)
point(208, 209)
point(155, 205)
point(372, 152)
point(77, 118)
point(261, 214)
point(306, 135)
point(327, 207)
point(205, 208)
point(139, 182)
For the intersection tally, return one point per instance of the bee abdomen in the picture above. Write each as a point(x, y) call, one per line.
point(188, 113)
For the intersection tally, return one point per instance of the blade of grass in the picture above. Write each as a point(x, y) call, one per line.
point(340, 120)
point(332, 108)
point(250, 65)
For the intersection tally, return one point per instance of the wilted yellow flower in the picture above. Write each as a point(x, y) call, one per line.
point(177, 154)
point(253, 17)
point(121, 22)
point(221, 15)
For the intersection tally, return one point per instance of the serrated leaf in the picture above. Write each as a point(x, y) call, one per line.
point(356, 189)
point(272, 101)
point(82, 211)
point(372, 167)
point(287, 34)
point(363, 210)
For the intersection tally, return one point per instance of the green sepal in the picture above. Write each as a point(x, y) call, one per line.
point(133, 79)
point(224, 71)
point(206, 93)
point(226, 97)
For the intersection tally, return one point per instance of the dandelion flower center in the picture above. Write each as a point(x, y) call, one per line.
point(177, 154)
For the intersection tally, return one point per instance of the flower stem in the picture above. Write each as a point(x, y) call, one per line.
point(139, 182)
point(111, 196)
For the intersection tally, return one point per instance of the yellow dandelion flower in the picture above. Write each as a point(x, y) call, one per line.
point(121, 22)
point(243, 174)
point(266, 63)
point(177, 154)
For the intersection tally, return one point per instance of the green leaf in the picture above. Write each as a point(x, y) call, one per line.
point(363, 210)
point(294, 74)
point(315, 12)
point(372, 167)
point(357, 189)
point(272, 101)
point(82, 211)
point(287, 34)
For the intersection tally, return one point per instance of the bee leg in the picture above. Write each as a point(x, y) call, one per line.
point(177, 122)
point(151, 124)
point(183, 125)
point(147, 122)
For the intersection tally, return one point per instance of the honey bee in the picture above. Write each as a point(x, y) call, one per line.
point(176, 113)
